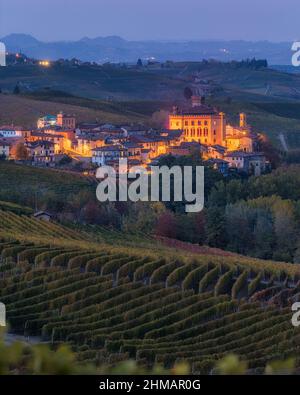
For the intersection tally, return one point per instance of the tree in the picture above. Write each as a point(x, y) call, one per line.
point(20, 152)
point(188, 93)
point(160, 119)
point(215, 227)
point(142, 217)
point(139, 63)
point(166, 225)
point(17, 90)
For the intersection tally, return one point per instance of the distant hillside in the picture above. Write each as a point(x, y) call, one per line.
point(30, 110)
point(116, 49)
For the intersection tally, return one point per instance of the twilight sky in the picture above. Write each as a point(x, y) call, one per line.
point(48, 20)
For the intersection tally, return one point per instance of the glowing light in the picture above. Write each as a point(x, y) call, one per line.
point(44, 63)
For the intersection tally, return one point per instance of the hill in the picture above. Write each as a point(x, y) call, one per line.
point(111, 303)
point(116, 49)
point(29, 110)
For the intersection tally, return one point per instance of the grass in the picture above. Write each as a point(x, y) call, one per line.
point(23, 184)
point(29, 110)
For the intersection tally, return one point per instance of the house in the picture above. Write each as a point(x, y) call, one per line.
point(220, 165)
point(56, 139)
point(47, 120)
point(87, 142)
point(102, 155)
point(240, 138)
point(155, 143)
point(41, 152)
point(186, 148)
point(11, 131)
point(134, 151)
point(216, 151)
point(5, 147)
point(248, 162)
point(43, 216)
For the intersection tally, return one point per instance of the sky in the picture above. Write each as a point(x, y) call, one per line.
point(53, 20)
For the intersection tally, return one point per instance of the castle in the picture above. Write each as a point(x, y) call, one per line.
point(205, 125)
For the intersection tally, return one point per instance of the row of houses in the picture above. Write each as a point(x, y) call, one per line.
point(102, 144)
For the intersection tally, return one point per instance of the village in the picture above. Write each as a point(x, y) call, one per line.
point(195, 128)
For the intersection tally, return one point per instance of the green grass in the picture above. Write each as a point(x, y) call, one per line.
point(23, 184)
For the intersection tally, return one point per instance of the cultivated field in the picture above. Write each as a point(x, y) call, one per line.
point(111, 302)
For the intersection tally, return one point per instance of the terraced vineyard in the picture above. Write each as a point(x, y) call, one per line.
point(111, 303)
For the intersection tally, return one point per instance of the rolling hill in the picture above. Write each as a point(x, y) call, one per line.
point(111, 303)
point(116, 49)
point(29, 110)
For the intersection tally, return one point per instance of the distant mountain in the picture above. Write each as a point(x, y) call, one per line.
point(116, 49)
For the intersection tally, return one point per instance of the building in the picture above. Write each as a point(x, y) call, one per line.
point(216, 151)
point(102, 155)
point(42, 216)
point(46, 121)
point(220, 165)
point(87, 143)
point(133, 150)
point(248, 162)
point(11, 132)
point(240, 138)
point(66, 121)
point(200, 123)
point(56, 139)
point(186, 148)
point(5, 147)
point(41, 152)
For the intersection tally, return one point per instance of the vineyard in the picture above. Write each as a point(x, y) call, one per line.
point(110, 302)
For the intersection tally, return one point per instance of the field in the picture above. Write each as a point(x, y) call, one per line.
point(111, 302)
point(29, 186)
point(29, 110)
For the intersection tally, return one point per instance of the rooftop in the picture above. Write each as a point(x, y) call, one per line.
point(243, 154)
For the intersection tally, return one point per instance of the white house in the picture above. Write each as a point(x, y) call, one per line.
point(102, 155)
point(10, 132)
point(4, 148)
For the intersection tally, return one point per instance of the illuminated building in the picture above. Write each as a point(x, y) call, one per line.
point(200, 123)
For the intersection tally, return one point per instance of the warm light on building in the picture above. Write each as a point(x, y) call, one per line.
point(44, 63)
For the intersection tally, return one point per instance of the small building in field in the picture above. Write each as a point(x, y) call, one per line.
point(43, 216)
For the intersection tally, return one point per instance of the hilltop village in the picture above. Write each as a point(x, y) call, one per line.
point(195, 128)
